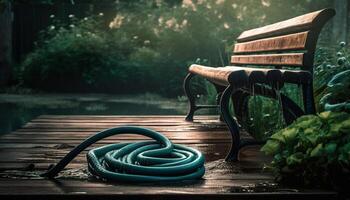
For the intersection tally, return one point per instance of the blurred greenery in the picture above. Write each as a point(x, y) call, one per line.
point(149, 45)
point(332, 79)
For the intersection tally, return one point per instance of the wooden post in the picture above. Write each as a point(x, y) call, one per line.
point(340, 22)
point(5, 41)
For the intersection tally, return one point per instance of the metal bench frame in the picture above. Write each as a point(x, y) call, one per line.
point(239, 86)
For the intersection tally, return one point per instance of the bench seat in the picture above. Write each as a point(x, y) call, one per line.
point(246, 75)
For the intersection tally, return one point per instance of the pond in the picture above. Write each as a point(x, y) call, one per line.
point(17, 110)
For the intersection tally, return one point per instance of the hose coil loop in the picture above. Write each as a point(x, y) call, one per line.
point(148, 161)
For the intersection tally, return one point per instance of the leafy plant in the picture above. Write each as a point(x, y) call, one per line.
point(264, 117)
point(338, 96)
point(68, 56)
point(332, 90)
point(332, 83)
point(314, 150)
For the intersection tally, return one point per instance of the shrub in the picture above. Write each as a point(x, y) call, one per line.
point(314, 150)
point(136, 54)
point(332, 61)
point(72, 58)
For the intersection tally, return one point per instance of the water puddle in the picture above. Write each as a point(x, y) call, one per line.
point(222, 167)
point(213, 170)
point(29, 172)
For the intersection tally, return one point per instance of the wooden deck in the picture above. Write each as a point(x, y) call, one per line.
point(29, 151)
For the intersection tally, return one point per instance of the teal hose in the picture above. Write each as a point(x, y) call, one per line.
point(149, 161)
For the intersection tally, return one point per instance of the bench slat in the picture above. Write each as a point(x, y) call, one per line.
point(287, 59)
point(294, 25)
point(297, 41)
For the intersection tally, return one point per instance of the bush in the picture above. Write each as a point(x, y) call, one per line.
point(73, 58)
point(144, 50)
point(313, 151)
point(332, 63)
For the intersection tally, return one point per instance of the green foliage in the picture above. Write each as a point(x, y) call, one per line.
point(264, 117)
point(67, 61)
point(332, 79)
point(148, 46)
point(143, 50)
point(312, 150)
point(332, 90)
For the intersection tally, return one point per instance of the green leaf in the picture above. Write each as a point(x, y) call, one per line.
point(271, 147)
point(312, 135)
point(335, 130)
point(341, 77)
point(296, 158)
point(344, 155)
point(317, 151)
point(345, 126)
point(279, 136)
point(290, 134)
point(337, 117)
point(330, 148)
point(308, 121)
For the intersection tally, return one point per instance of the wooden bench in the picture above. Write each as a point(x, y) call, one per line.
point(289, 43)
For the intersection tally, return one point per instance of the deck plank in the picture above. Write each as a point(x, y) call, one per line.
point(29, 151)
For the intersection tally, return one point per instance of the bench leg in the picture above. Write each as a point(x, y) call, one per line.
point(219, 90)
point(308, 98)
point(218, 99)
point(291, 111)
point(231, 123)
point(190, 97)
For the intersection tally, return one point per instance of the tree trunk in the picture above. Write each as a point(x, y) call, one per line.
point(340, 22)
point(5, 42)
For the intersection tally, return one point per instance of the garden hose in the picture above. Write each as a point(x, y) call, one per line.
point(148, 161)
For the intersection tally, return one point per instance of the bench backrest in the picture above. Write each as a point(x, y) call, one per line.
point(287, 43)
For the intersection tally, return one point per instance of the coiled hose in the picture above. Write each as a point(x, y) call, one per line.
point(149, 161)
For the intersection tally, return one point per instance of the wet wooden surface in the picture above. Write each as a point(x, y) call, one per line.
point(29, 151)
